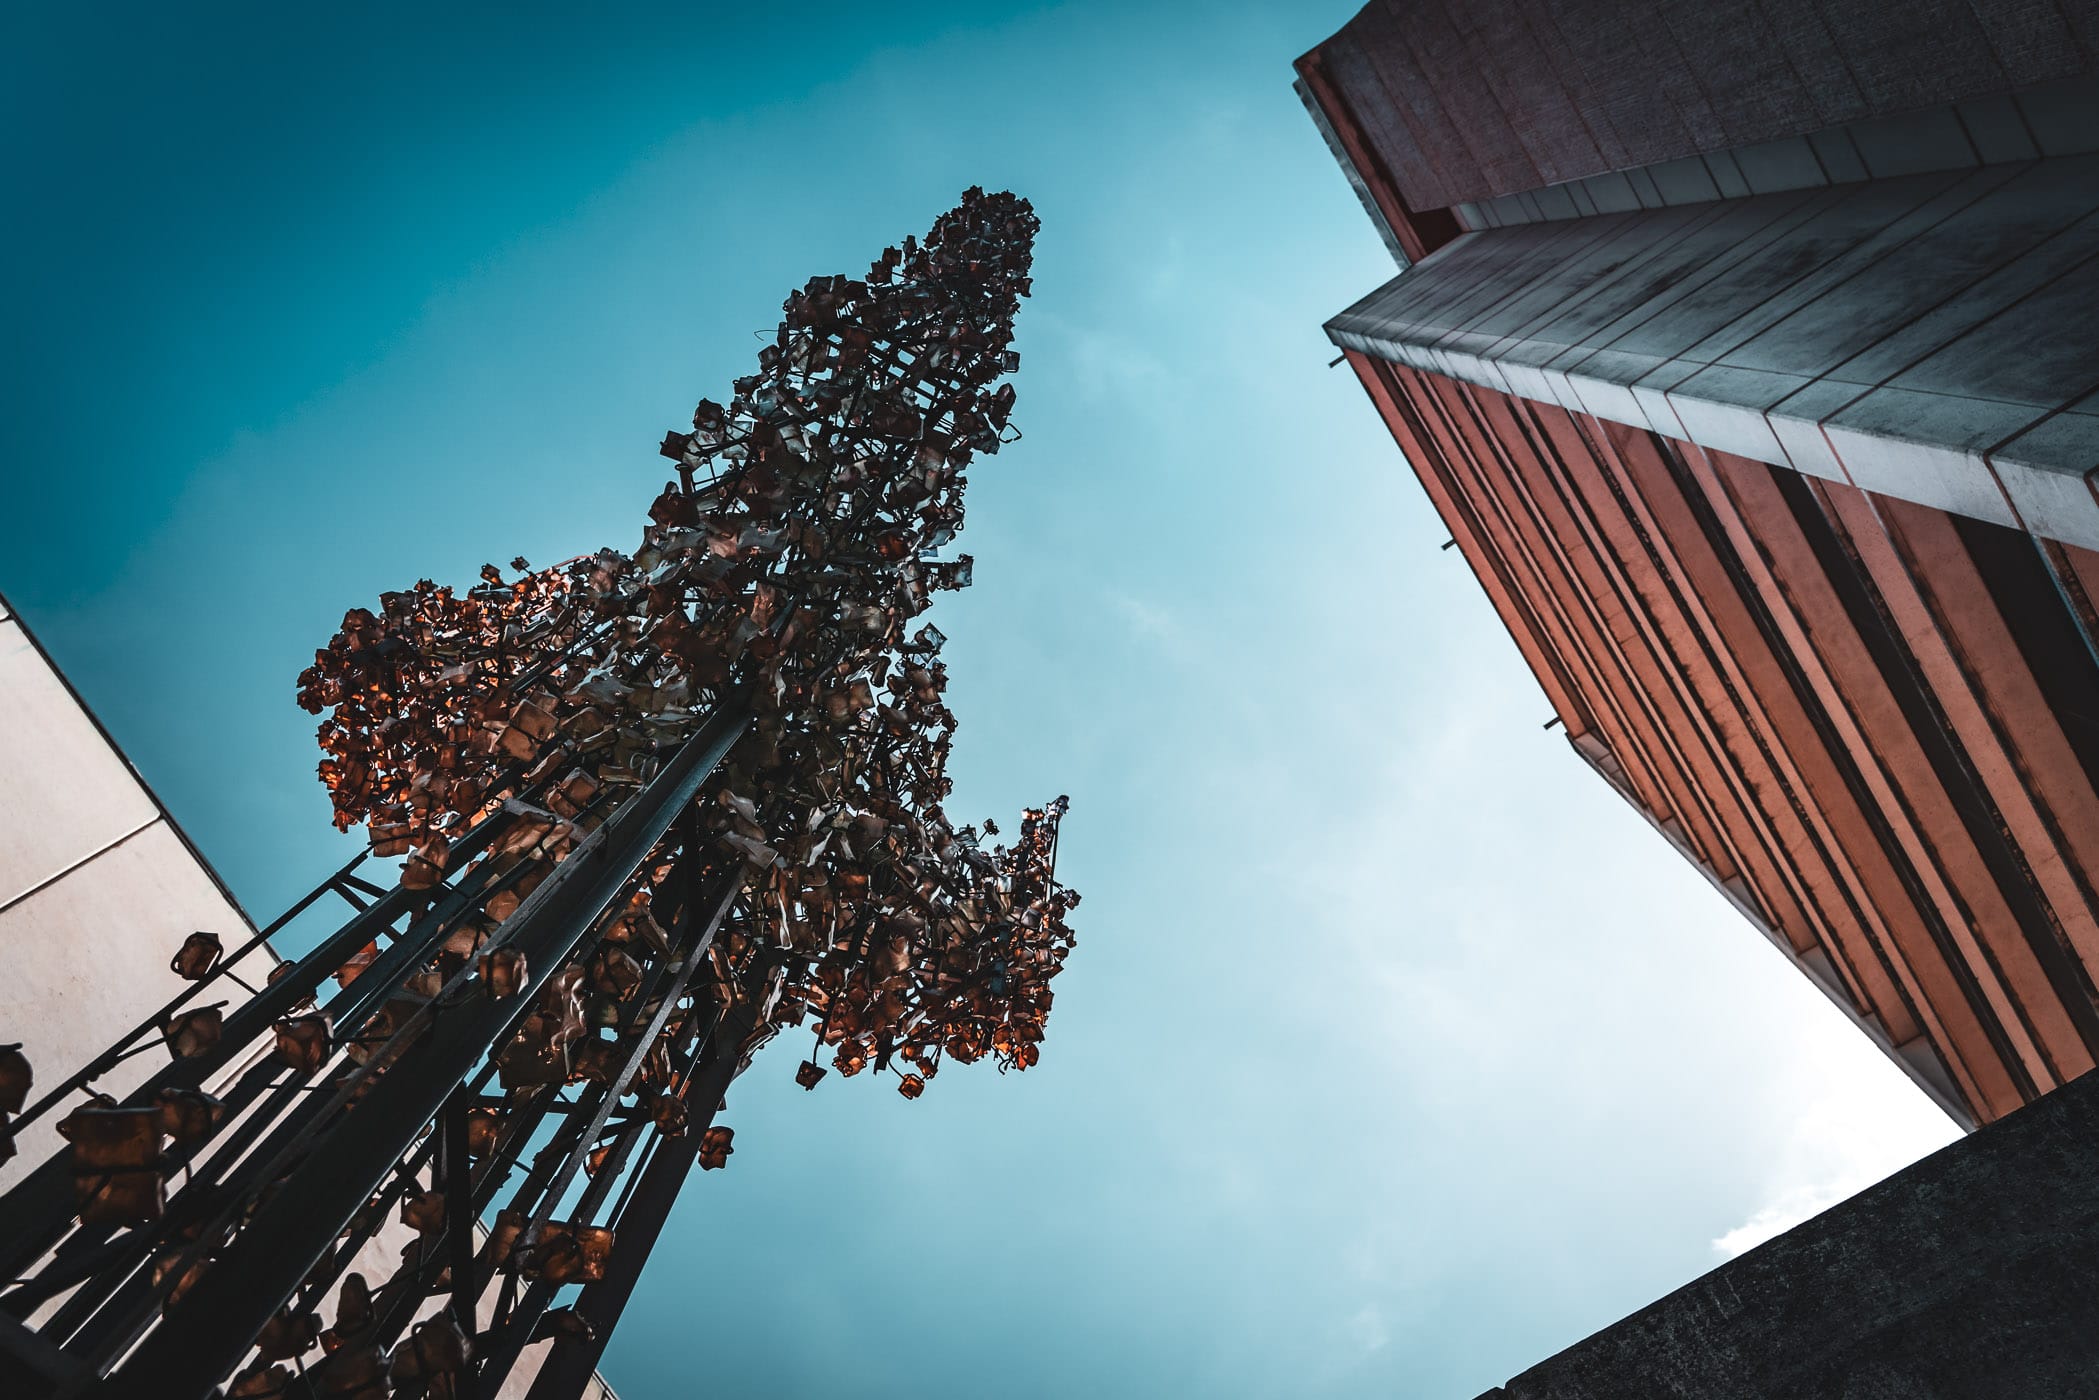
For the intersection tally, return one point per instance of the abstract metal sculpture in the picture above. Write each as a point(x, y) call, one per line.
point(655, 809)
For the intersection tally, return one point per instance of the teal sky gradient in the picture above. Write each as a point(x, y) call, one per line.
point(1396, 1054)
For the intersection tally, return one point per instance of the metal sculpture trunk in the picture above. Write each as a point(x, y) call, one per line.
point(654, 809)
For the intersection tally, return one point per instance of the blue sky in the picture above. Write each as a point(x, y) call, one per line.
point(1396, 1054)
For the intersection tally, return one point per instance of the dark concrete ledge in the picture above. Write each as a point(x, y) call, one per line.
point(1972, 1275)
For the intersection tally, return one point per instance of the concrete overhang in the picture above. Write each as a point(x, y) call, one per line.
point(1928, 337)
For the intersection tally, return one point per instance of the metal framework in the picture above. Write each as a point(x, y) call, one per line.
point(655, 809)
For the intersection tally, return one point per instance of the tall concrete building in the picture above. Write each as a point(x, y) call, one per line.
point(1750, 353)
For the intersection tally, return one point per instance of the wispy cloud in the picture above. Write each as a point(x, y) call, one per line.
point(1156, 625)
point(1367, 1329)
point(1795, 1206)
point(1844, 1140)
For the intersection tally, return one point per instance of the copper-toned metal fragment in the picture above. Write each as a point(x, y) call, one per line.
point(262, 1381)
point(483, 1127)
point(356, 1372)
point(194, 1033)
point(118, 1175)
point(436, 1351)
point(188, 1115)
point(302, 1042)
point(715, 1146)
point(423, 1212)
point(569, 1253)
point(289, 1334)
point(503, 972)
point(197, 956)
point(563, 1323)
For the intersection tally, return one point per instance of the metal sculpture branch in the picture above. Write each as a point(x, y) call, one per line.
point(654, 808)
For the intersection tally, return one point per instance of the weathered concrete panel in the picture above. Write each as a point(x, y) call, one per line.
point(64, 793)
point(85, 958)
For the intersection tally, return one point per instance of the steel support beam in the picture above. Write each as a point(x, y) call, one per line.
point(206, 1335)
